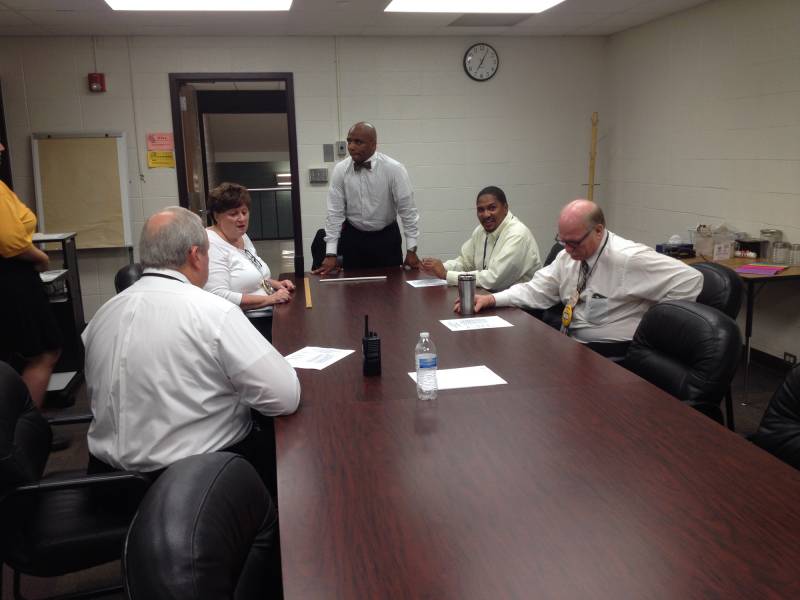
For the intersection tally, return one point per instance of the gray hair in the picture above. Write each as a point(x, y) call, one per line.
point(166, 244)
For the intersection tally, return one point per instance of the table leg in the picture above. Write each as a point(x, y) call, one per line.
point(748, 331)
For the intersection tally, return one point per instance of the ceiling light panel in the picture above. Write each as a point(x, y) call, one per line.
point(201, 5)
point(471, 6)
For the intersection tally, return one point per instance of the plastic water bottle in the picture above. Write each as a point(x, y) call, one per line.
point(427, 361)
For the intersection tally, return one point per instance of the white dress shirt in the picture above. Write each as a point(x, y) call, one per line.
point(371, 199)
point(499, 259)
point(172, 371)
point(231, 273)
point(626, 279)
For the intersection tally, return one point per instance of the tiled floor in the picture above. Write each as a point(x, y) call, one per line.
point(762, 383)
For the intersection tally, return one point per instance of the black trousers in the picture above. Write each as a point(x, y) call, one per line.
point(365, 249)
point(264, 326)
point(612, 350)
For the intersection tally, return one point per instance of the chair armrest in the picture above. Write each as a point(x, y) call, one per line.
point(69, 419)
point(136, 480)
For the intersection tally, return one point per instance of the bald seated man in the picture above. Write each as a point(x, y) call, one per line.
point(368, 191)
point(174, 371)
point(605, 282)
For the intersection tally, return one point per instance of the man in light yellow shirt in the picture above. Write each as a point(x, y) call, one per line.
point(501, 251)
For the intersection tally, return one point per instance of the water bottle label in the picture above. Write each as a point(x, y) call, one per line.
point(427, 362)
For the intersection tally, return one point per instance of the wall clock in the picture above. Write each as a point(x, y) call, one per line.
point(481, 62)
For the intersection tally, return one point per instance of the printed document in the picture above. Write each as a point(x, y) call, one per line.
point(426, 282)
point(470, 323)
point(450, 379)
point(314, 357)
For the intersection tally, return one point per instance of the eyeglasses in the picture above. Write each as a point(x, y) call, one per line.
point(572, 243)
point(252, 258)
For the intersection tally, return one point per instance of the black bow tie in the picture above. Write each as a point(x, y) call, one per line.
point(365, 165)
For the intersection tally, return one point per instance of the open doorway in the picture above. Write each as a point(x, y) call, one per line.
point(240, 127)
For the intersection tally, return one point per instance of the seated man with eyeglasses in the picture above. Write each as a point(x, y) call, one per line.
point(173, 370)
point(605, 282)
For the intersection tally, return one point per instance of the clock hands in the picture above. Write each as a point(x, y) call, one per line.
point(483, 58)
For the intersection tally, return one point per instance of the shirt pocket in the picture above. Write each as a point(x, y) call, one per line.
point(597, 309)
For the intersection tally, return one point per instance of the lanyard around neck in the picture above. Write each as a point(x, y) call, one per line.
point(163, 276)
point(485, 242)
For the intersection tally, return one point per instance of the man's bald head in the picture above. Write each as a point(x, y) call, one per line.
point(172, 239)
point(581, 226)
point(362, 140)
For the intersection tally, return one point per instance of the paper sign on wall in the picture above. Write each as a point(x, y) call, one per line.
point(161, 160)
point(160, 142)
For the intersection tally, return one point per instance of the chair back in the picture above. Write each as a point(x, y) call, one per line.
point(127, 276)
point(24, 434)
point(318, 249)
point(688, 350)
point(203, 531)
point(779, 431)
point(551, 256)
point(722, 288)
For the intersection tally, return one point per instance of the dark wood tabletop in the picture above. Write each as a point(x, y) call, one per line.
point(577, 479)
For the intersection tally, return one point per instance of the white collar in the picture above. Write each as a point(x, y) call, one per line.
point(170, 273)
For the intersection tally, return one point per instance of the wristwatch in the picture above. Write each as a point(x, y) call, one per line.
point(412, 249)
point(330, 256)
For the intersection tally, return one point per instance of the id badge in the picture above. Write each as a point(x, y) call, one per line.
point(566, 315)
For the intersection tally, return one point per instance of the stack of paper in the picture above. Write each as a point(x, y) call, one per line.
point(760, 269)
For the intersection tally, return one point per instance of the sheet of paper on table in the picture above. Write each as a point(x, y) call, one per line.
point(450, 379)
point(470, 323)
point(51, 276)
point(314, 357)
point(426, 282)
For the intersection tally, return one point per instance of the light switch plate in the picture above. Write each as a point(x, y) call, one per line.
point(319, 175)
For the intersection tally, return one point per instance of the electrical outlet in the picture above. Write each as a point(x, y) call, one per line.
point(789, 359)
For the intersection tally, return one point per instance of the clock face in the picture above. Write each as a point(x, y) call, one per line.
point(481, 62)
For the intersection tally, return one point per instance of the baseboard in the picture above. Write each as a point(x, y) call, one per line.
point(769, 361)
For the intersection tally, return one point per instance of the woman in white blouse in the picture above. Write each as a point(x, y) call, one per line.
point(235, 271)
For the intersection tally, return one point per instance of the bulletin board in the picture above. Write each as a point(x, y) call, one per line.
point(81, 183)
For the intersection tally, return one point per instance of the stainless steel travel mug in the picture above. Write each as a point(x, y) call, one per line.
point(466, 293)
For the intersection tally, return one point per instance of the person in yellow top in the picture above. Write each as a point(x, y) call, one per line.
point(30, 339)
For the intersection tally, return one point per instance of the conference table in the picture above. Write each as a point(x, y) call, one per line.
point(575, 479)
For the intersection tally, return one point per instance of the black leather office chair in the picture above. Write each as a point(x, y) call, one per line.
point(205, 530)
point(127, 276)
point(54, 525)
point(722, 289)
point(689, 350)
point(318, 249)
point(551, 316)
point(779, 431)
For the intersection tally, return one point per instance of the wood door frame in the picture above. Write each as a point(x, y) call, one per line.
point(5, 161)
point(177, 80)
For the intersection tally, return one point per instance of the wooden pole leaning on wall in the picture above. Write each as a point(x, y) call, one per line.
point(592, 156)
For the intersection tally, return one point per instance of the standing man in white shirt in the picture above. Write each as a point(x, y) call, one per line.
point(173, 371)
point(368, 191)
point(605, 282)
point(501, 251)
